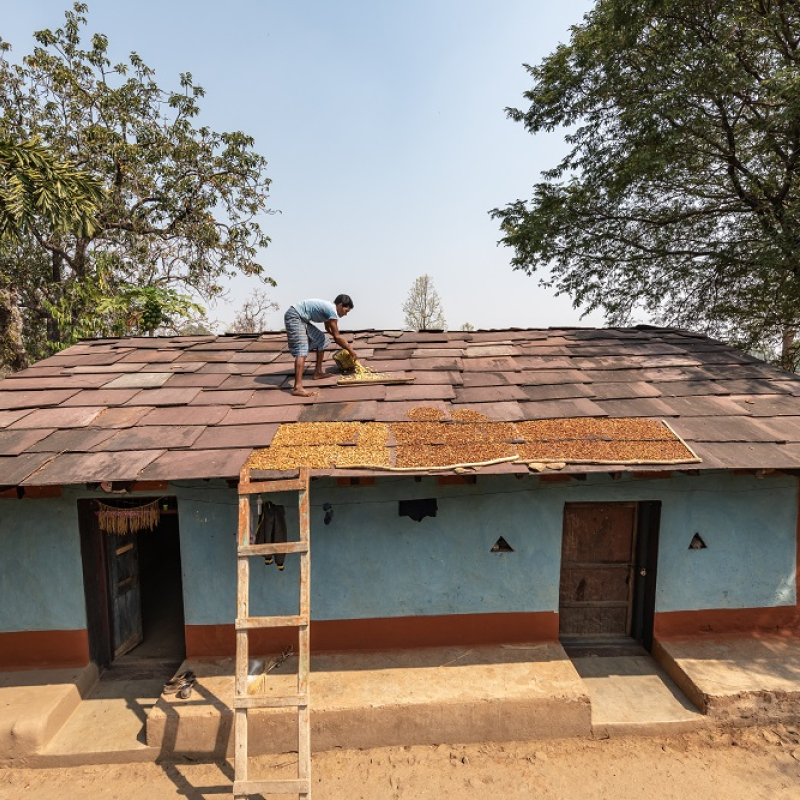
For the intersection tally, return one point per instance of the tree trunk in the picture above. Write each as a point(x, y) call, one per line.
point(53, 332)
point(789, 350)
point(12, 348)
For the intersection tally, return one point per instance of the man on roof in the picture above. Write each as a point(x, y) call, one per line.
point(304, 336)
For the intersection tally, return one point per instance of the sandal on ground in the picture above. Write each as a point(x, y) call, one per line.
point(185, 692)
point(173, 685)
point(180, 687)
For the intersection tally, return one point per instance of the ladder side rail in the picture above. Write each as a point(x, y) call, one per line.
point(242, 655)
point(303, 669)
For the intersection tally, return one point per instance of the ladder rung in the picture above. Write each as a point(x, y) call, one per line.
point(294, 786)
point(268, 487)
point(266, 701)
point(248, 623)
point(271, 549)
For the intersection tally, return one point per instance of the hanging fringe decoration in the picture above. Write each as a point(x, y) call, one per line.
point(122, 521)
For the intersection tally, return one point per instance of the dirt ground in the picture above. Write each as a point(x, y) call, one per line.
point(746, 764)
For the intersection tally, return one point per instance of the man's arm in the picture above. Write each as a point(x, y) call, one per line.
point(332, 327)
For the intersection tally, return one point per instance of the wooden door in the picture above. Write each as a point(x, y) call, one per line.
point(95, 583)
point(597, 561)
point(125, 593)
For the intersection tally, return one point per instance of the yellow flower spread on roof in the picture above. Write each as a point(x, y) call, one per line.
point(591, 428)
point(431, 441)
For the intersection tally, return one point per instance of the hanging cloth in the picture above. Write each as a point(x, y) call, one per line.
point(271, 529)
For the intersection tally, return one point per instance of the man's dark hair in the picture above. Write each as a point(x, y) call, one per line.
point(345, 300)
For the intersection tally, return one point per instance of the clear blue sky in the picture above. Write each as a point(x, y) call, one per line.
point(384, 127)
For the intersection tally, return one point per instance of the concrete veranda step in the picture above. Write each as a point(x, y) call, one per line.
point(518, 692)
point(632, 695)
point(739, 680)
point(381, 699)
point(35, 704)
point(107, 727)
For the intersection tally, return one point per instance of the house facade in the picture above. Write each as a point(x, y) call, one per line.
point(509, 552)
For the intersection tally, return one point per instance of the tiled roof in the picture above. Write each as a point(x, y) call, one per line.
point(194, 407)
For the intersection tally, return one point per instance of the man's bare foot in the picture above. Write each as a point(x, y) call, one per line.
point(302, 393)
point(318, 375)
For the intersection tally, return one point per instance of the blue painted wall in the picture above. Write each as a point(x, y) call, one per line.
point(41, 577)
point(369, 562)
point(750, 528)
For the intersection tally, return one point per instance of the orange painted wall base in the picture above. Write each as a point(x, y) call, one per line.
point(62, 649)
point(391, 633)
point(778, 620)
point(44, 649)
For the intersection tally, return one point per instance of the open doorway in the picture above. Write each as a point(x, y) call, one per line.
point(132, 583)
point(608, 573)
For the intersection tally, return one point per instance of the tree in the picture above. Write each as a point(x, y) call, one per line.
point(197, 326)
point(252, 317)
point(36, 189)
point(679, 195)
point(181, 204)
point(467, 326)
point(423, 308)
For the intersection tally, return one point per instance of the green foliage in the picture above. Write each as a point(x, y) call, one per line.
point(181, 203)
point(679, 194)
point(146, 309)
point(36, 188)
point(97, 305)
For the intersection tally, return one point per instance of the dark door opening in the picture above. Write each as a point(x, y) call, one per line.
point(645, 572)
point(132, 582)
point(608, 571)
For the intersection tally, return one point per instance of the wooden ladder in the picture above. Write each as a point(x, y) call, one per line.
point(242, 701)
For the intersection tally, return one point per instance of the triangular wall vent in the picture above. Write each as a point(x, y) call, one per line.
point(697, 543)
point(502, 546)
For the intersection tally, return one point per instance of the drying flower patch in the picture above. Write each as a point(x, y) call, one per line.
point(430, 441)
